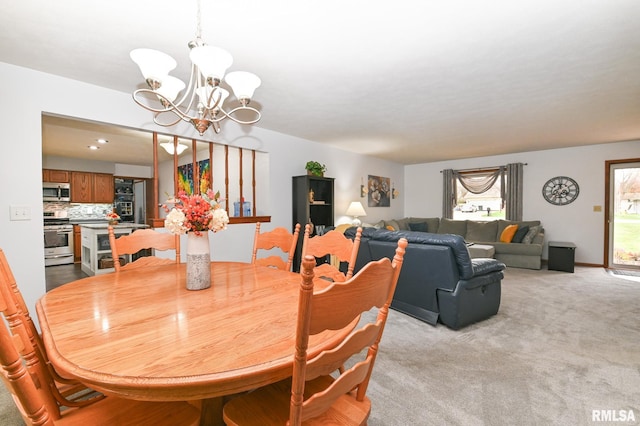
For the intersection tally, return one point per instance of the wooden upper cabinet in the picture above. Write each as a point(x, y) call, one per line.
point(103, 188)
point(49, 175)
point(81, 187)
point(89, 187)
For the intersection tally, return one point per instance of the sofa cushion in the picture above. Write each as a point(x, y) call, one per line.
point(533, 230)
point(432, 223)
point(481, 231)
point(419, 226)
point(450, 226)
point(520, 233)
point(403, 224)
point(508, 233)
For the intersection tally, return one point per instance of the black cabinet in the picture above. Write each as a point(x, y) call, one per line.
point(312, 203)
point(561, 256)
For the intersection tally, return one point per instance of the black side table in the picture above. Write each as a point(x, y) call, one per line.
point(561, 256)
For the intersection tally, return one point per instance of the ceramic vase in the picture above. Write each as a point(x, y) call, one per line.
point(198, 261)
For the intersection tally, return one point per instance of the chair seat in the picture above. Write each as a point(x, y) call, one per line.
point(117, 411)
point(269, 405)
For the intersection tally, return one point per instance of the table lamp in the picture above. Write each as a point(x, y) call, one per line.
point(355, 209)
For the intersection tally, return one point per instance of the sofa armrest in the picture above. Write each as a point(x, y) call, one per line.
point(539, 238)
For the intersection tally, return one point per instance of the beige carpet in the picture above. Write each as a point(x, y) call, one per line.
point(561, 346)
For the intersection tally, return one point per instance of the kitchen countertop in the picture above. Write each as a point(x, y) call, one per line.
point(105, 225)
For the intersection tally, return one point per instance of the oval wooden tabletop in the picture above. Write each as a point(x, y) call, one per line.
point(140, 334)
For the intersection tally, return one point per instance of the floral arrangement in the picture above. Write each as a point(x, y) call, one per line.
point(112, 217)
point(196, 213)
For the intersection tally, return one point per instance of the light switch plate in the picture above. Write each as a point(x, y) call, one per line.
point(19, 213)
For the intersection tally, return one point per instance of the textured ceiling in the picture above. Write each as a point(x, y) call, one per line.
point(409, 81)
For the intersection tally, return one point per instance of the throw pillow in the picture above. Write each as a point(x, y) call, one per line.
point(520, 233)
point(389, 228)
point(418, 226)
point(508, 233)
point(533, 231)
point(393, 224)
point(379, 225)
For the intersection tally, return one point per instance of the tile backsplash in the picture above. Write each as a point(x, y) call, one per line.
point(79, 211)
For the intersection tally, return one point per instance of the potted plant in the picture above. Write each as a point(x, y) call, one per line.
point(315, 168)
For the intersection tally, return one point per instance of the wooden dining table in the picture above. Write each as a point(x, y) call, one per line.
point(140, 334)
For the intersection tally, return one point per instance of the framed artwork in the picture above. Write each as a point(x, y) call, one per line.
point(379, 194)
point(186, 181)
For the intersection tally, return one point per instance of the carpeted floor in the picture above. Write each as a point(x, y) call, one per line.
point(561, 346)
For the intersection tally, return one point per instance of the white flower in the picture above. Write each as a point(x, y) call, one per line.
point(174, 222)
point(219, 220)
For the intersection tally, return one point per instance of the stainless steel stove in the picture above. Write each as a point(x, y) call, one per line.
point(58, 241)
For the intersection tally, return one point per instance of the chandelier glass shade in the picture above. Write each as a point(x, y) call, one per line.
point(168, 146)
point(204, 101)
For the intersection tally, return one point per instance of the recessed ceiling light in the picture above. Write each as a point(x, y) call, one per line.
point(102, 141)
point(93, 147)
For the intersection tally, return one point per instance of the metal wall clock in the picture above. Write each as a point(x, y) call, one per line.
point(560, 190)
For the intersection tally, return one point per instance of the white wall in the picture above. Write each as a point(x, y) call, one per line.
point(27, 93)
point(576, 222)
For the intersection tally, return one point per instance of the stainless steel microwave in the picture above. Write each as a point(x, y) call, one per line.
point(52, 191)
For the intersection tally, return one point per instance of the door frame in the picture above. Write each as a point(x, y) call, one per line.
point(607, 202)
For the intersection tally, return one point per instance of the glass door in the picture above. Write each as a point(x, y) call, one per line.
point(624, 215)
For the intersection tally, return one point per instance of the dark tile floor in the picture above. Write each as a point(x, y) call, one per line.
point(61, 274)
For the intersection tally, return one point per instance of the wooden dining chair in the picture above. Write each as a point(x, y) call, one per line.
point(140, 240)
point(33, 389)
point(313, 395)
point(67, 392)
point(335, 244)
point(278, 238)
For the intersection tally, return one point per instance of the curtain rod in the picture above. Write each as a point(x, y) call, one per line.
point(481, 169)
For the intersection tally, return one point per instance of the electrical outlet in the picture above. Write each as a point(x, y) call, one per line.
point(19, 213)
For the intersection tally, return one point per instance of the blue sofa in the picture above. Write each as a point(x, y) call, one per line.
point(439, 281)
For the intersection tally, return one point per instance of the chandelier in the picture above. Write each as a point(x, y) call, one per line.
point(202, 102)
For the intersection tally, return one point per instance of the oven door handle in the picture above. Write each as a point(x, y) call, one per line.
point(58, 256)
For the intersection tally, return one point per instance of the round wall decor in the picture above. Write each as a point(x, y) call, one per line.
point(560, 190)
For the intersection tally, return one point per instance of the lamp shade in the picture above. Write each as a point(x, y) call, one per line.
point(168, 146)
point(211, 61)
point(355, 209)
point(243, 83)
point(153, 64)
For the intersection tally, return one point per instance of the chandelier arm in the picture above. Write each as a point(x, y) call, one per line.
point(171, 107)
point(157, 115)
point(240, 108)
point(150, 108)
point(191, 89)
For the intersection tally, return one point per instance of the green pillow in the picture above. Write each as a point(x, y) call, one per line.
point(533, 231)
point(418, 226)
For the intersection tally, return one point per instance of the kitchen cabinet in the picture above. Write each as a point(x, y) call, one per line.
point(312, 203)
point(81, 187)
point(58, 176)
point(89, 187)
point(77, 247)
point(103, 188)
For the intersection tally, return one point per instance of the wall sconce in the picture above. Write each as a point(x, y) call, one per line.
point(363, 189)
point(394, 191)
